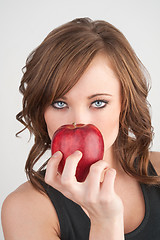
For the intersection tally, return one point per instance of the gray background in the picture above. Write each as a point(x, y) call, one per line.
point(24, 24)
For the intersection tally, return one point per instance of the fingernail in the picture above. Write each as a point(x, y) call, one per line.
point(77, 152)
point(57, 154)
point(112, 171)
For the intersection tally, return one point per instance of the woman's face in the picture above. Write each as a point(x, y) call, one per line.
point(95, 99)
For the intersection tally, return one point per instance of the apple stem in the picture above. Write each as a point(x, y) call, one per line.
point(74, 124)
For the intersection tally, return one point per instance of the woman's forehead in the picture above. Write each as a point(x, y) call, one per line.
point(98, 79)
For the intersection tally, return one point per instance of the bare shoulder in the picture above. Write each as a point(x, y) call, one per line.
point(155, 160)
point(29, 214)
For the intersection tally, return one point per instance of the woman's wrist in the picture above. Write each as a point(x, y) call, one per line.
point(112, 229)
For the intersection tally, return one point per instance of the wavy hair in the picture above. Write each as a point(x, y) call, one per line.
point(56, 65)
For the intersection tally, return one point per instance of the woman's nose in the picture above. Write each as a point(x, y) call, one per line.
point(80, 117)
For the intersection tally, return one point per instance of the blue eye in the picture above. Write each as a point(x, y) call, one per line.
point(59, 104)
point(99, 103)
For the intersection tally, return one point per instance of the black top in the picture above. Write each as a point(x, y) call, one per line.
point(75, 224)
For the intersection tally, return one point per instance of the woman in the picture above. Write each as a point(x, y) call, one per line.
point(86, 72)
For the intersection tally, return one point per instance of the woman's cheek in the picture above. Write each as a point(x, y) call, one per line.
point(110, 132)
point(51, 122)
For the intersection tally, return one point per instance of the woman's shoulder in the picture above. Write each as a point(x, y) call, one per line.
point(29, 214)
point(155, 160)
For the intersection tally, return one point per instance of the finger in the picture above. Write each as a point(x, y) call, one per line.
point(52, 168)
point(94, 177)
point(103, 174)
point(109, 180)
point(69, 170)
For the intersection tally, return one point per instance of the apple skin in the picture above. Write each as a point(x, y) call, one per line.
point(83, 137)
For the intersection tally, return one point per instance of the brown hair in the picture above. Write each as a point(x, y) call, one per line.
point(54, 68)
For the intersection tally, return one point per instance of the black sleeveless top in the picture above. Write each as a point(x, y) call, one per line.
point(75, 224)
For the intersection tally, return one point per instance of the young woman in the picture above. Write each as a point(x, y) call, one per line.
point(86, 72)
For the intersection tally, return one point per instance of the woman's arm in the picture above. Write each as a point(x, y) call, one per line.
point(108, 230)
point(29, 215)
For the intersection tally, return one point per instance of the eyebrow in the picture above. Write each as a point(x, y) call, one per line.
point(99, 94)
point(92, 96)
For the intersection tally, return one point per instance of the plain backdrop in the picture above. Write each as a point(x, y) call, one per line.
point(24, 24)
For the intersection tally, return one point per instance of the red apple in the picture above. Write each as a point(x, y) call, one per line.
point(85, 138)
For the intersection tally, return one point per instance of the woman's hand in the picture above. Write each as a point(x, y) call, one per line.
point(103, 205)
